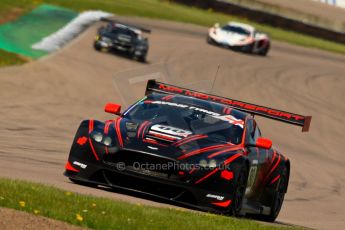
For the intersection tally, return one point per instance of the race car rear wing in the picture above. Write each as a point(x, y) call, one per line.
point(125, 24)
point(291, 118)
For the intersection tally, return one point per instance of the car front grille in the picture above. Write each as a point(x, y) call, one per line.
point(143, 163)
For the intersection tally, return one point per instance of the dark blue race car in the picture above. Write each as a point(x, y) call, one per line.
point(188, 147)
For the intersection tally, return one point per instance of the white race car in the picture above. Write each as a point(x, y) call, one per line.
point(239, 36)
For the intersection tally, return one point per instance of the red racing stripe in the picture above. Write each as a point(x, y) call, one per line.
point(169, 97)
point(91, 123)
point(223, 203)
point(192, 170)
point(186, 138)
point(106, 131)
point(275, 179)
point(154, 142)
point(274, 156)
point(93, 149)
point(207, 176)
point(191, 138)
point(222, 151)
point(198, 151)
point(140, 128)
point(118, 131)
point(145, 129)
point(273, 168)
point(227, 110)
point(69, 167)
point(106, 127)
point(232, 158)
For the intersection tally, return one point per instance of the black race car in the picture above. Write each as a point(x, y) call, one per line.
point(196, 149)
point(128, 39)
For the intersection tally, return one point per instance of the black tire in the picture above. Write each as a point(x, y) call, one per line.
point(278, 197)
point(142, 58)
point(241, 184)
point(97, 47)
point(84, 183)
point(209, 40)
point(248, 48)
point(265, 51)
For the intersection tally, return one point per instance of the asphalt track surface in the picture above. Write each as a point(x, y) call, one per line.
point(43, 102)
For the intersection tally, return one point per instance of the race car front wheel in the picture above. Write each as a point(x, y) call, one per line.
point(241, 184)
point(248, 48)
point(209, 40)
point(278, 197)
point(96, 46)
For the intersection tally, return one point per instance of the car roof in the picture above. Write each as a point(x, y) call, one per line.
point(243, 25)
point(216, 107)
point(123, 26)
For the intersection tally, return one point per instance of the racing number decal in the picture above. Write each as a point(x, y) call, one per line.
point(171, 130)
point(252, 174)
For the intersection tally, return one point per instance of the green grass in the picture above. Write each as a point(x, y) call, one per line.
point(8, 59)
point(163, 9)
point(101, 213)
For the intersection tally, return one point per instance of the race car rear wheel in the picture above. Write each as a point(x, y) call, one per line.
point(241, 184)
point(264, 51)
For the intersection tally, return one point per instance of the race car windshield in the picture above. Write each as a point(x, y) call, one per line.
point(236, 29)
point(189, 118)
point(121, 30)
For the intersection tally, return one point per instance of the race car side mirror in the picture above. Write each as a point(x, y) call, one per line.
point(263, 143)
point(113, 108)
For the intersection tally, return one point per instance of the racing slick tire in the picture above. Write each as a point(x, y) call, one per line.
point(248, 48)
point(278, 197)
point(142, 58)
point(209, 40)
point(241, 184)
point(264, 51)
point(97, 47)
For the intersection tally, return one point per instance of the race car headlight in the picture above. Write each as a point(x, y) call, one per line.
point(203, 163)
point(106, 40)
point(107, 141)
point(208, 163)
point(212, 163)
point(101, 138)
point(141, 47)
point(97, 136)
